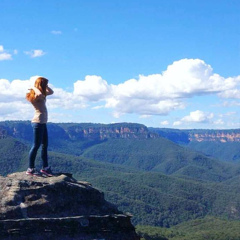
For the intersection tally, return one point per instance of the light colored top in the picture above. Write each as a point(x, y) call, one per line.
point(39, 104)
point(41, 113)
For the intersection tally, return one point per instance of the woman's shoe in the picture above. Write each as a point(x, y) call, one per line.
point(33, 172)
point(47, 171)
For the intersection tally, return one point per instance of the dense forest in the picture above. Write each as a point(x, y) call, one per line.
point(173, 191)
point(208, 228)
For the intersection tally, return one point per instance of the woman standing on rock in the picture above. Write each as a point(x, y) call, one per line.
point(37, 97)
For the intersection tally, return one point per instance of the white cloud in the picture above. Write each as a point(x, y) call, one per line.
point(15, 110)
point(159, 94)
point(117, 114)
point(219, 122)
point(198, 116)
point(145, 116)
point(35, 53)
point(229, 114)
point(231, 93)
point(98, 107)
point(156, 94)
point(164, 123)
point(15, 90)
point(177, 123)
point(230, 103)
point(4, 55)
point(62, 99)
point(14, 106)
point(144, 106)
point(56, 32)
point(195, 117)
point(93, 88)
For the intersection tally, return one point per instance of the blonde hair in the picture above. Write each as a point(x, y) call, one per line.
point(41, 84)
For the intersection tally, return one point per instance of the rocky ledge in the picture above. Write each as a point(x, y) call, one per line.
point(58, 207)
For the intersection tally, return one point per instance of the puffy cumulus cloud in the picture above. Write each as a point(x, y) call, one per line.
point(14, 90)
point(143, 106)
point(155, 94)
point(183, 78)
point(198, 116)
point(66, 100)
point(195, 117)
point(35, 53)
point(234, 91)
point(93, 88)
point(4, 55)
point(15, 110)
point(158, 94)
point(13, 104)
point(189, 77)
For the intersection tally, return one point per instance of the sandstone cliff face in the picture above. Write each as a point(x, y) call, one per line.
point(101, 132)
point(196, 135)
point(23, 130)
point(215, 136)
point(58, 208)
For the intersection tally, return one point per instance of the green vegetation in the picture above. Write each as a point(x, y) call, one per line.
point(160, 200)
point(160, 155)
point(201, 229)
point(228, 151)
point(13, 153)
point(185, 193)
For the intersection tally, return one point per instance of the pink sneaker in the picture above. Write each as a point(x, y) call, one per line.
point(47, 171)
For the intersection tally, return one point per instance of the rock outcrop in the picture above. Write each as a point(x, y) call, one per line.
point(59, 207)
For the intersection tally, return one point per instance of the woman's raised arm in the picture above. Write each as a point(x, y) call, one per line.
point(49, 91)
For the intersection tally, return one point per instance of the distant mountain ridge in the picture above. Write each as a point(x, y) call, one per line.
point(22, 129)
point(74, 131)
point(220, 144)
point(198, 135)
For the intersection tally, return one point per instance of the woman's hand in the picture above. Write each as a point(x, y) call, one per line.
point(49, 91)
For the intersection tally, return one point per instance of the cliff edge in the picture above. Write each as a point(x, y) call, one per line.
point(59, 207)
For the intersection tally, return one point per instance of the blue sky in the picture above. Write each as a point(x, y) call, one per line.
point(162, 63)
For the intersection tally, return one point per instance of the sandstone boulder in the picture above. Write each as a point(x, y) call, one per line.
point(58, 207)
